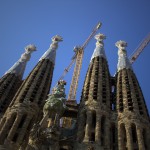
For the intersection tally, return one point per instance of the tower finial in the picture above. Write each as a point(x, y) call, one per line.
point(51, 52)
point(19, 67)
point(100, 37)
point(99, 50)
point(123, 61)
point(27, 55)
point(121, 45)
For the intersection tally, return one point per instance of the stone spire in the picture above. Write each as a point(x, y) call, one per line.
point(99, 50)
point(19, 67)
point(26, 106)
point(11, 81)
point(51, 52)
point(133, 119)
point(93, 116)
point(123, 61)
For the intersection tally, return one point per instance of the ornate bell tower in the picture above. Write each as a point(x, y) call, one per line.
point(28, 102)
point(94, 111)
point(133, 118)
point(11, 81)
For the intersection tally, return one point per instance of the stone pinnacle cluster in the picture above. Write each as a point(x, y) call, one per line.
point(111, 115)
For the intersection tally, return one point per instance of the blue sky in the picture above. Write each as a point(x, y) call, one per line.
point(26, 22)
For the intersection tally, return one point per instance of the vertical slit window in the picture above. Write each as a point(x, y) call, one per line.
point(139, 99)
point(88, 81)
point(84, 124)
point(129, 98)
point(102, 129)
point(96, 69)
point(92, 132)
point(120, 97)
point(134, 134)
point(15, 137)
point(123, 139)
point(22, 121)
point(113, 136)
point(144, 139)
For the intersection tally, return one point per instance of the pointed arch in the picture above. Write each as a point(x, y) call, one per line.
point(92, 132)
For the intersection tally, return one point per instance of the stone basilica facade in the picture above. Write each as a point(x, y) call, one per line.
point(111, 115)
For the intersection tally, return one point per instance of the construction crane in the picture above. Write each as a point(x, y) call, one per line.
point(79, 51)
point(140, 48)
point(77, 59)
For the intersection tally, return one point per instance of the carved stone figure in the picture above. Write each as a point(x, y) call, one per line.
point(53, 110)
point(55, 104)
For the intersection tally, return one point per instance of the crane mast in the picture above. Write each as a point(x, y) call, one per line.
point(76, 74)
point(139, 50)
point(79, 51)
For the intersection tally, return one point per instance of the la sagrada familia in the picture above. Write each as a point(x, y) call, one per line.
point(112, 113)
